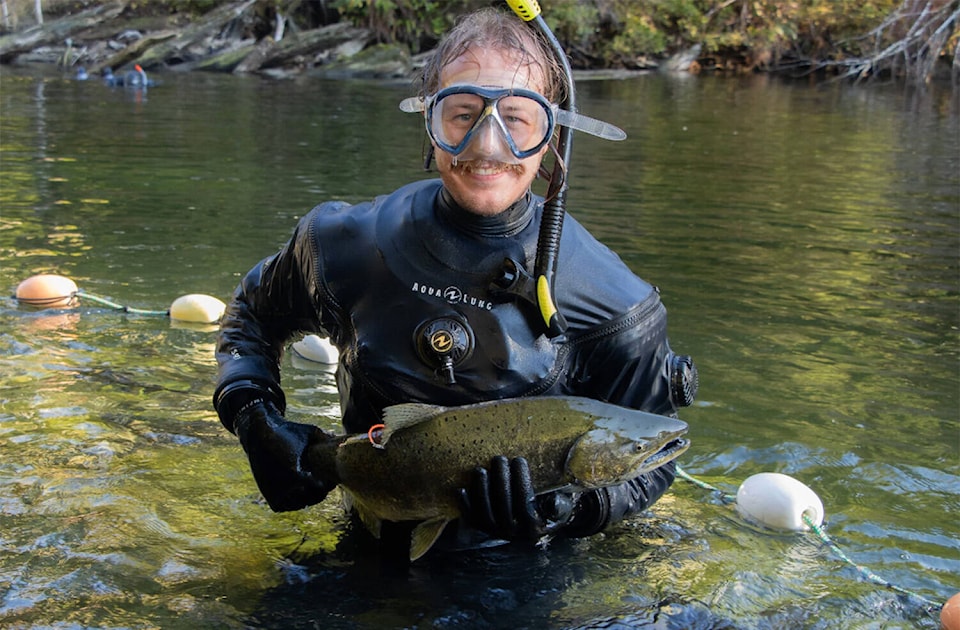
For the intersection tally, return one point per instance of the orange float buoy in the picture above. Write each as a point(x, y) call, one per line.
point(48, 291)
point(950, 614)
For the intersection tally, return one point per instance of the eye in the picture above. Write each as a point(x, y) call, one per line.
point(462, 116)
point(515, 117)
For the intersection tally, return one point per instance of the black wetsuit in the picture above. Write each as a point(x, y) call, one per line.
point(381, 278)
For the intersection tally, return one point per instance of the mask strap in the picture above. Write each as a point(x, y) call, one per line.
point(559, 170)
point(429, 158)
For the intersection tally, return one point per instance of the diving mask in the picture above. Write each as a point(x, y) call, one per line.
point(499, 124)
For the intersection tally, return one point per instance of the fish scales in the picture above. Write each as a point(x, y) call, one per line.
point(426, 453)
point(437, 457)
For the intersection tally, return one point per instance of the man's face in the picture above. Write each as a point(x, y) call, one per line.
point(487, 186)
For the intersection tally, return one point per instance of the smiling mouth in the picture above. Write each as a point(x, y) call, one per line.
point(485, 168)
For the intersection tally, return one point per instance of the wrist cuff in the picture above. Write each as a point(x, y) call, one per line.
point(240, 396)
point(590, 515)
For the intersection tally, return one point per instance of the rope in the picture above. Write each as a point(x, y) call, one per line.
point(725, 496)
point(867, 574)
point(870, 576)
point(119, 307)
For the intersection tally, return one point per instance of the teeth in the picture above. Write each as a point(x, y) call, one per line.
point(485, 169)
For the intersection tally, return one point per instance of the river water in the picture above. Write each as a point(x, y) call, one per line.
point(806, 241)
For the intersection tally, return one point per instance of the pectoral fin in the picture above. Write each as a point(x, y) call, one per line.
point(425, 534)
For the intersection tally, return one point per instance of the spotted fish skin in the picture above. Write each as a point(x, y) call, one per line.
point(426, 453)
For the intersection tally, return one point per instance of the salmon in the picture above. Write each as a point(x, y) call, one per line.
point(412, 469)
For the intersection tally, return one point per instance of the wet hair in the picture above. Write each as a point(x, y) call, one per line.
point(495, 29)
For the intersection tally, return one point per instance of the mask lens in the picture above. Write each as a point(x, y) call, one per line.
point(525, 119)
point(454, 116)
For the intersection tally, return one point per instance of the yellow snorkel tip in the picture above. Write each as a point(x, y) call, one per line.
point(554, 320)
point(526, 10)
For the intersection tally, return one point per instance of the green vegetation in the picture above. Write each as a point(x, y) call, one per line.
point(899, 37)
point(904, 38)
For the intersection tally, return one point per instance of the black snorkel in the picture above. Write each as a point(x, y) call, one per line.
point(554, 209)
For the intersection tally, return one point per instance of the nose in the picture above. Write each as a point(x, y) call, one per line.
point(487, 139)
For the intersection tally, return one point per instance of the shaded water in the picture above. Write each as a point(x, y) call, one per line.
point(806, 242)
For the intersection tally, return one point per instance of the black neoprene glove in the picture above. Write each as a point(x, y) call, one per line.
point(500, 501)
point(275, 448)
point(598, 509)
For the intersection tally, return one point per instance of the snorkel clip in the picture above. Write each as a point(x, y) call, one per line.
point(514, 280)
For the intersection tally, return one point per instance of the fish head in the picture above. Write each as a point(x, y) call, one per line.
point(616, 450)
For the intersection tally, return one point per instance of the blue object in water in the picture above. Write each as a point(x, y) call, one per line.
point(138, 78)
point(109, 78)
point(82, 74)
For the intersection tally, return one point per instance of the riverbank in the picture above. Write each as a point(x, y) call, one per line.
point(251, 36)
point(223, 40)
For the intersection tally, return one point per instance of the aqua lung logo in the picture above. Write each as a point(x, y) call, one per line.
point(453, 295)
point(441, 342)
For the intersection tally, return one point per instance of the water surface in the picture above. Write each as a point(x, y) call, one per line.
point(805, 240)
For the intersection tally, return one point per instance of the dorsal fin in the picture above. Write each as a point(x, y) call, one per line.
point(396, 417)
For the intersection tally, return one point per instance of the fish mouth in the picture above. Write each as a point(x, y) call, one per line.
point(670, 451)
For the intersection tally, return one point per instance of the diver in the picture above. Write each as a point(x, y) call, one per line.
point(428, 295)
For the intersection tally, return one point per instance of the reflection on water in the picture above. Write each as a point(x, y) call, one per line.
point(805, 239)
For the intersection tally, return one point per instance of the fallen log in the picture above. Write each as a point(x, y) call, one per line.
point(255, 57)
point(132, 52)
point(305, 44)
point(55, 31)
point(177, 49)
point(225, 60)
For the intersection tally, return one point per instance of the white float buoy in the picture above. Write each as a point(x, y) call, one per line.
point(778, 501)
point(317, 349)
point(197, 307)
point(48, 290)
